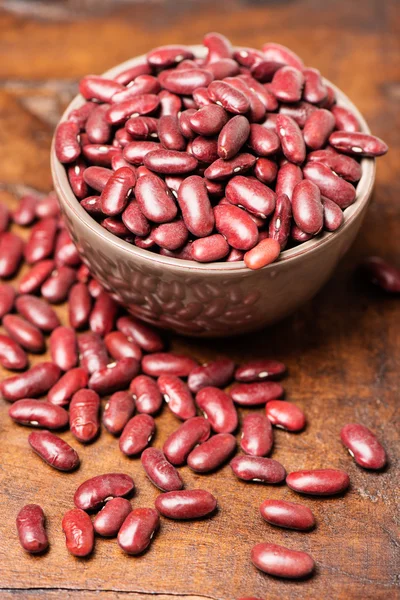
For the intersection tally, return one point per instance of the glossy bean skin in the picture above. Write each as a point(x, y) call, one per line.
point(363, 446)
point(102, 317)
point(169, 133)
point(231, 99)
point(266, 170)
point(65, 252)
point(319, 482)
point(142, 105)
point(54, 451)
point(281, 562)
point(216, 374)
point(154, 199)
point(211, 454)
point(38, 414)
point(138, 529)
point(257, 435)
point(358, 144)
point(258, 469)
point(287, 84)
point(84, 415)
point(93, 492)
point(282, 54)
point(343, 165)
point(35, 277)
point(236, 226)
point(99, 88)
point(7, 298)
point(144, 335)
point(167, 363)
point(333, 187)
point(11, 250)
point(142, 128)
point(291, 139)
point(114, 197)
point(108, 521)
point(137, 434)
point(119, 346)
point(168, 56)
point(48, 207)
point(299, 111)
point(381, 273)
point(223, 169)
point(171, 236)
point(24, 333)
point(92, 352)
point(208, 120)
point(177, 395)
point(251, 194)
point(134, 219)
point(195, 206)
point(186, 504)
point(97, 128)
point(254, 394)
point(31, 529)
point(25, 212)
point(315, 91)
point(345, 120)
point(11, 354)
point(117, 412)
point(63, 390)
point(182, 441)
point(160, 472)
point(218, 408)
point(233, 136)
point(41, 241)
point(184, 82)
point(259, 370)
point(170, 162)
point(264, 253)
point(218, 46)
point(307, 207)
point(114, 377)
point(33, 383)
point(298, 235)
point(79, 305)
point(79, 534)
point(146, 394)
point(56, 288)
point(257, 102)
point(63, 348)
point(285, 415)
point(289, 175)
point(210, 248)
point(318, 128)
point(287, 514)
point(97, 177)
point(66, 142)
point(333, 215)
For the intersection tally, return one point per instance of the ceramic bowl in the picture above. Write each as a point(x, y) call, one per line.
point(208, 300)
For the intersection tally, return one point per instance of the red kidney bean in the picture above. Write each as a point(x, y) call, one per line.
point(333, 187)
point(56, 288)
point(130, 74)
point(212, 454)
point(119, 346)
point(216, 374)
point(289, 175)
point(279, 225)
point(11, 250)
point(31, 529)
point(177, 395)
point(307, 208)
point(63, 348)
point(139, 105)
point(201, 97)
point(345, 120)
point(84, 415)
point(381, 273)
point(251, 194)
point(180, 443)
point(266, 170)
point(155, 200)
point(92, 205)
point(342, 165)
point(38, 414)
point(137, 434)
point(266, 97)
point(114, 377)
point(100, 154)
point(333, 215)
point(218, 46)
point(167, 56)
point(257, 436)
point(93, 492)
point(92, 352)
point(37, 312)
point(184, 123)
point(257, 370)
point(257, 102)
point(210, 248)
point(25, 213)
point(142, 128)
point(204, 149)
point(254, 394)
point(236, 226)
point(117, 412)
point(99, 88)
point(264, 253)
point(79, 534)
point(317, 128)
point(143, 84)
point(167, 363)
point(48, 207)
point(359, 144)
point(11, 354)
point(144, 243)
point(66, 143)
point(263, 141)
point(298, 235)
point(170, 235)
point(34, 278)
point(363, 446)
point(186, 504)
point(53, 450)
point(285, 415)
point(232, 136)
point(146, 337)
point(228, 97)
point(138, 530)
point(298, 111)
point(160, 472)
point(83, 274)
point(265, 70)
point(169, 133)
point(223, 169)
point(282, 54)
point(109, 520)
point(184, 82)
point(79, 305)
point(33, 383)
point(134, 219)
point(24, 333)
point(315, 91)
point(66, 252)
point(247, 57)
point(287, 84)
point(42, 240)
point(97, 177)
point(115, 225)
point(319, 482)
point(218, 408)
point(63, 390)
point(208, 120)
point(282, 562)
point(291, 139)
point(146, 394)
point(287, 514)
point(169, 162)
point(115, 195)
point(102, 317)
point(7, 297)
point(97, 128)
point(171, 104)
point(258, 469)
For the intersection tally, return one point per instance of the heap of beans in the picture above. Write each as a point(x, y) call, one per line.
point(117, 357)
point(235, 156)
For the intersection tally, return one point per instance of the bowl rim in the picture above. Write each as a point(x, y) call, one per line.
point(66, 195)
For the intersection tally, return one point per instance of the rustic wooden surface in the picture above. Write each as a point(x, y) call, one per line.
point(342, 348)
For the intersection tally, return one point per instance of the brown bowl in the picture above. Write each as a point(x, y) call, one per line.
point(209, 300)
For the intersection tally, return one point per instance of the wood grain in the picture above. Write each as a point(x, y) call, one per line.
point(341, 348)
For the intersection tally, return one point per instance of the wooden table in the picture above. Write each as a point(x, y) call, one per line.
point(342, 348)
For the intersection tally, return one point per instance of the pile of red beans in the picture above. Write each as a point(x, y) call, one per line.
point(105, 353)
point(232, 156)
